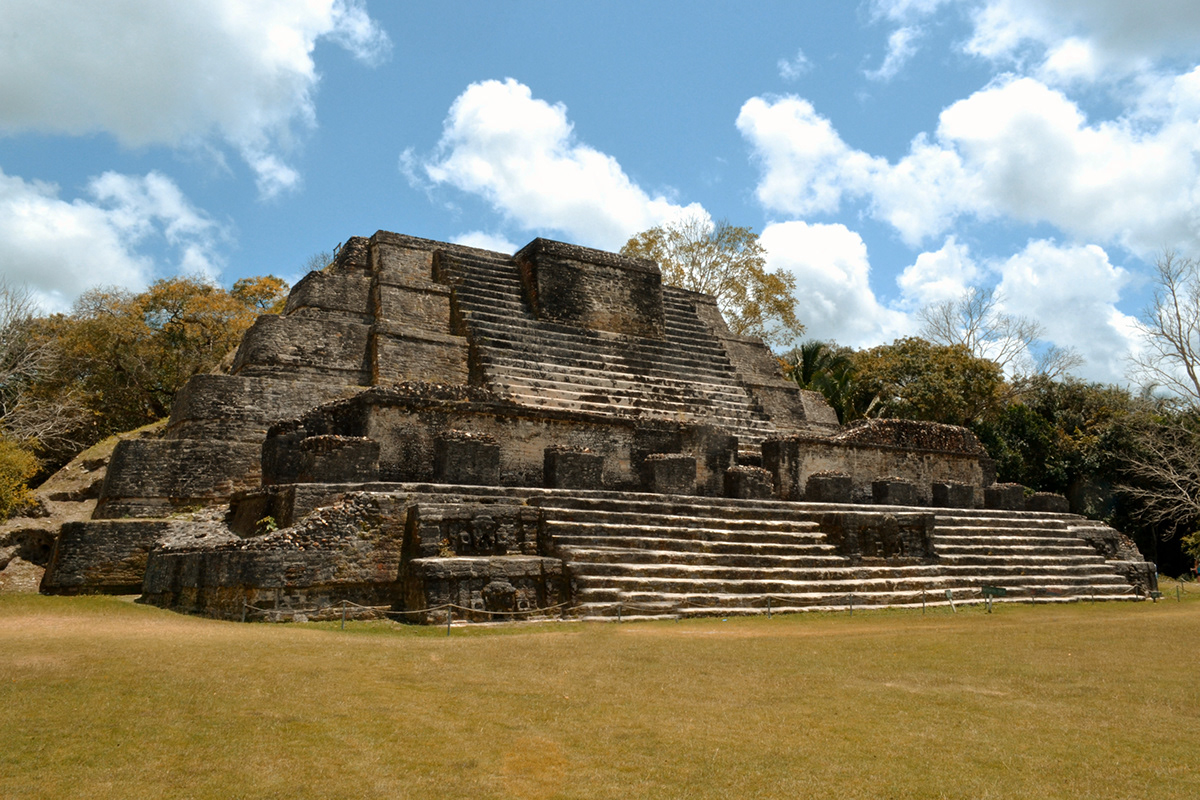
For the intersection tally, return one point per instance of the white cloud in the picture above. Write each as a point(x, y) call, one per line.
point(60, 248)
point(151, 72)
point(832, 276)
point(487, 241)
point(794, 68)
point(902, 45)
point(520, 154)
point(1072, 291)
point(1017, 149)
point(1121, 34)
point(939, 276)
point(806, 167)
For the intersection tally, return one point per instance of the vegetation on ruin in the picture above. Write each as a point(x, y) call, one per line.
point(105, 698)
point(112, 364)
point(727, 262)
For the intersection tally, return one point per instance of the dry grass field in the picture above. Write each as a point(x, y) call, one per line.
point(102, 698)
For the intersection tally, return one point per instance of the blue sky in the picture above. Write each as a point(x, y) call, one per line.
point(892, 153)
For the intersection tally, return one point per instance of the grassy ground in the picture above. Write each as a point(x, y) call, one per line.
point(102, 698)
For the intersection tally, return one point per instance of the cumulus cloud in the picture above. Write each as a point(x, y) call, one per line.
point(832, 279)
point(520, 154)
point(150, 72)
point(1017, 149)
point(59, 248)
point(1120, 34)
point(487, 241)
point(939, 276)
point(902, 45)
point(793, 68)
point(1072, 290)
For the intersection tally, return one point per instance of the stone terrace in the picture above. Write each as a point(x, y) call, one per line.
point(542, 363)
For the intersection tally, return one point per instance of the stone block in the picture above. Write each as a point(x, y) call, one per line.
point(670, 473)
point(338, 459)
point(1047, 502)
point(592, 288)
point(334, 350)
point(471, 529)
point(154, 477)
point(105, 557)
point(902, 537)
point(472, 459)
point(572, 469)
point(893, 492)
point(953, 495)
point(749, 483)
point(1004, 497)
point(829, 488)
point(413, 355)
point(334, 294)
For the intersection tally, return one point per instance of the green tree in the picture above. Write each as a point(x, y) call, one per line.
point(1066, 436)
point(829, 369)
point(728, 263)
point(914, 379)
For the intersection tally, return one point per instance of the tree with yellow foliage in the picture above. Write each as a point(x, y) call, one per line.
point(727, 262)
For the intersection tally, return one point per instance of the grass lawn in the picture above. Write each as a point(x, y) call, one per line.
point(103, 698)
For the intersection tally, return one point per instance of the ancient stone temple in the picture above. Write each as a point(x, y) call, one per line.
point(431, 429)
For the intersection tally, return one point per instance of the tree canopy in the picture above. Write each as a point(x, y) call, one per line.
point(727, 262)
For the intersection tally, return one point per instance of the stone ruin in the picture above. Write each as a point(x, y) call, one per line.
point(431, 429)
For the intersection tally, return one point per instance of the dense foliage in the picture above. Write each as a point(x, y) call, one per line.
point(113, 363)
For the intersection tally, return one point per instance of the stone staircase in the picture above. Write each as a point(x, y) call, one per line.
point(685, 377)
point(654, 557)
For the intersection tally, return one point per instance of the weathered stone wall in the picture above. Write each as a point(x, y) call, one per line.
point(332, 295)
point(876, 451)
point(230, 408)
point(592, 288)
point(334, 350)
point(349, 551)
point(152, 478)
point(107, 557)
point(417, 355)
point(881, 538)
point(407, 421)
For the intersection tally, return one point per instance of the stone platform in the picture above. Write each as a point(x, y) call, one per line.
point(554, 429)
point(595, 554)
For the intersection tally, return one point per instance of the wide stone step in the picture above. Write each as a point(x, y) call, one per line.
point(690, 511)
point(992, 519)
point(720, 547)
point(717, 555)
point(1006, 536)
point(982, 573)
point(680, 526)
point(650, 397)
point(592, 379)
point(615, 587)
point(504, 363)
point(539, 342)
point(1011, 550)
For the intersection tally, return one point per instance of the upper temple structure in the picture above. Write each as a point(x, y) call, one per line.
point(431, 429)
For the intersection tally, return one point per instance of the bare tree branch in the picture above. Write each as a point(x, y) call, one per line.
point(976, 322)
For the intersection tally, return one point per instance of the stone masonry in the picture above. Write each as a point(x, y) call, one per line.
point(433, 429)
